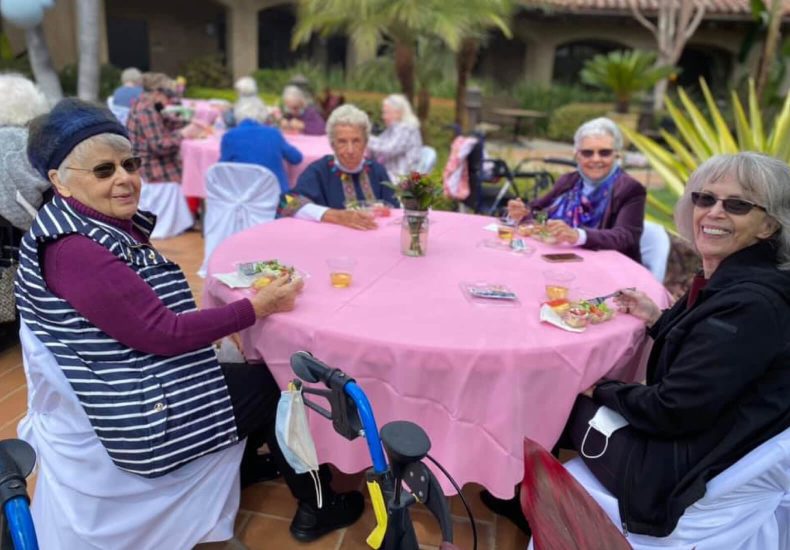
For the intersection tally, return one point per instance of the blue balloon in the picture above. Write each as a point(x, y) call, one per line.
point(24, 13)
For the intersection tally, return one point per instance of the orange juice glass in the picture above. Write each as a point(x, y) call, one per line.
point(557, 283)
point(505, 232)
point(341, 271)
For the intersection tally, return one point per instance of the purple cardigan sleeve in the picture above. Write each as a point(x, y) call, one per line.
point(90, 277)
point(314, 124)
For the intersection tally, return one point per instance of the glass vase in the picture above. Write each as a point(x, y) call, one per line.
point(414, 233)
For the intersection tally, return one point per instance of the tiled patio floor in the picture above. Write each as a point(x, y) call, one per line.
point(267, 508)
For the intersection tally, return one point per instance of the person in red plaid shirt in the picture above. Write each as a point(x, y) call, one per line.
point(154, 136)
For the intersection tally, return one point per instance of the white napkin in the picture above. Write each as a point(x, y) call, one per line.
point(548, 315)
point(234, 279)
point(491, 227)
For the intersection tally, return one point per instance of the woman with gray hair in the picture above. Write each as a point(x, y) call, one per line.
point(717, 376)
point(299, 115)
point(251, 141)
point(398, 146)
point(598, 206)
point(130, 89)
point(330, 185)
point(22, 189)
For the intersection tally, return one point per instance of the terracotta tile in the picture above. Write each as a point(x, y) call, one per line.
point(269, 498)
point(509, 537)
point(471, 493)
point(8, 430)
point(268, 533)
point(10, 358)
point(13, 404)
point(355, 536)
point(11, 379)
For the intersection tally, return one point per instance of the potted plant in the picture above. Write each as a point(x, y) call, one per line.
point(417, 193)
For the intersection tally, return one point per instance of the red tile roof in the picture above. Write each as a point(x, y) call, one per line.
point(715, 7)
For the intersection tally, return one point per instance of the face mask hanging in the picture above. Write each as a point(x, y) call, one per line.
point(294, 437)
point(606, 422)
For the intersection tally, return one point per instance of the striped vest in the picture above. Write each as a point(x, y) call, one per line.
point(152, 413)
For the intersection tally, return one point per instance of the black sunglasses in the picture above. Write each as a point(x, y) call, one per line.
point(603, 153)
point(107, 169)
point(738, 207)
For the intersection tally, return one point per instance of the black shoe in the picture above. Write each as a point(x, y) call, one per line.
point(311, 523)
point(259, 469)
point(510, 509)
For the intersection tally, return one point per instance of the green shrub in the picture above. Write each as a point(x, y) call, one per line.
point(564, 121)
point(549, 98)
point(109, 79)
point(274, 80)
point(208, 71)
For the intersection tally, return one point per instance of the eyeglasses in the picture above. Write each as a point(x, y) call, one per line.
point(603, 153)
point(738, 207)
point(107, 169)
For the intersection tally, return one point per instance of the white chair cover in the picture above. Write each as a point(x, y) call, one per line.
point(120, 112)
point(746, 507)
point(427, 159)
point(238, 196)
point(654, 246)
point(168, 203)
point(82, 500)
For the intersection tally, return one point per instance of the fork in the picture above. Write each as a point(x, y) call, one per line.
point(601, 299)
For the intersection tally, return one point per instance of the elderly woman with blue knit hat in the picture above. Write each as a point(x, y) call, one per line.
point(122, 324)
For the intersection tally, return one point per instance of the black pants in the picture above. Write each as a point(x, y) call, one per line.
point(254, 395)
point(609, 467)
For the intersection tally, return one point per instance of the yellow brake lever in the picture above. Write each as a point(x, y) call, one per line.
point(376, 536)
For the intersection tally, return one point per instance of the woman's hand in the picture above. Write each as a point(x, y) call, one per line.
point(350, 218)
point(277, 296)
point(638, 304)
point(562, 231)
point(516, 209)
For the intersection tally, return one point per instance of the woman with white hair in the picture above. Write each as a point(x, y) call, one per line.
point(397, 147)
point(253, 142)
point(329, 184)
point(299, 115)
point(22, 191)
point(598, 206)
point(130, 89)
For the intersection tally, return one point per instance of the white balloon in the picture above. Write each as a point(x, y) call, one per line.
point(24, 13)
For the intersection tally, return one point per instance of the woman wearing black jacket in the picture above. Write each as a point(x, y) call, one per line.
point(718, 377)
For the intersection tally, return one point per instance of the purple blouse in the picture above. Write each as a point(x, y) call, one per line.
point(109, 294)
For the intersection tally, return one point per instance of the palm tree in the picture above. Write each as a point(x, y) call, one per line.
point(88, 25)
point(369, 23)
point(624, 73)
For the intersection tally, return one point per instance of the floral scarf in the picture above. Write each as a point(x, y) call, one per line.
point(352, 192)
point(580, 210)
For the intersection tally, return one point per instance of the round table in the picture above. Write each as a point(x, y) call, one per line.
point(197, 155)
point(478, 378)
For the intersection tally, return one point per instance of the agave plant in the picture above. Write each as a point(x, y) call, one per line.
point(700, 137)
point(625, 73)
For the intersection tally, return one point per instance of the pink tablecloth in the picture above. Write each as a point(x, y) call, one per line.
point(198, 155)
point(477, 378)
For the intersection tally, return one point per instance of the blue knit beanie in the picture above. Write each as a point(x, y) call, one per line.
point(54, 135)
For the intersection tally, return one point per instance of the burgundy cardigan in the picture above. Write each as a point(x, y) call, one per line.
point(109, 294)
point(621, 226)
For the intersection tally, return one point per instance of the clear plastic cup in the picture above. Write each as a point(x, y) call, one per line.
point(557, 283)
point(341, 271)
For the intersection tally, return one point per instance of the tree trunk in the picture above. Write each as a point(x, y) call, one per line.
point(423, 106)
point(88, 25)
point(404, 68)
point(41, 64)
point(659, 91)
point(465, 61)
point(768, 55)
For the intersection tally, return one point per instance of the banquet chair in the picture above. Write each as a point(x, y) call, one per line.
point(427, 159)
point(745, 507)
point(83, 500)
point(238, 196)
point(170, 206)
point(120, 112)
point(654, 246)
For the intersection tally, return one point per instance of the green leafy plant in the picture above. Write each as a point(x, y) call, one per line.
point(208, 71)
point(565, 120)
point(416, 191)
point(625, 73)
point(109, 79)
point(701, 136)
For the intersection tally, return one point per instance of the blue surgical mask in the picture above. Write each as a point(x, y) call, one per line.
point(294, 437)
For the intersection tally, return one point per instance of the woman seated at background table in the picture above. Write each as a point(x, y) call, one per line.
point(299, 115)
point(598, 206)
point(130, 89)
point(398, 146)
point(246, 92)
point(717, 376)
point(329, 184)
point(255, 143)
point(89, 248)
